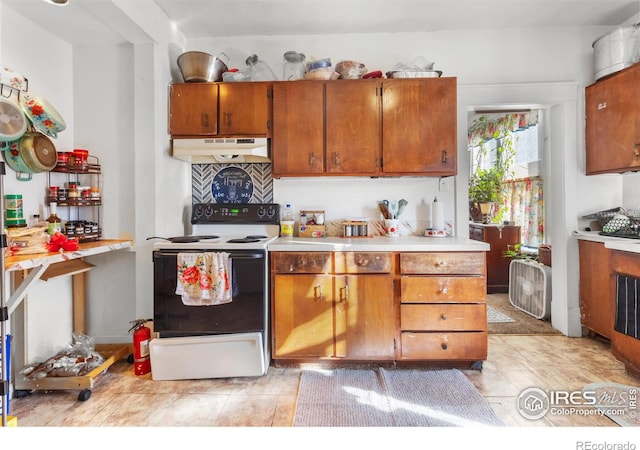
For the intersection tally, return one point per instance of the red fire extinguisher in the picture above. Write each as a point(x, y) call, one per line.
point(141, 338)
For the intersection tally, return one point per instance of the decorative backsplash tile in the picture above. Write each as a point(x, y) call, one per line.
point(232, 183)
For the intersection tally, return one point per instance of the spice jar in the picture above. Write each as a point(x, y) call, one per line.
point(53, 192)
point(95, 193)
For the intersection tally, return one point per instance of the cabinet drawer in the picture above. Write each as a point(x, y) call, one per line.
point(464, 346)
point(441, 263)
point(443, 289)
point(443, 317)
point(362, 262)
point(301, 262)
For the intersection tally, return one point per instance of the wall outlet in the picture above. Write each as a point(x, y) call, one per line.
point(444, 184)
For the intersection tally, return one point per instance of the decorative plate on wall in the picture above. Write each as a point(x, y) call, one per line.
point(232, 185)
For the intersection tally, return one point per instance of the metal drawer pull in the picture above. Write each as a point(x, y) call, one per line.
point(636, 150)
point(444, 290)
point(312, 159)
point(602, 105)
point(317, 290)
point(441, 263)
point(443, 317)
point(205, 120)
point(346, 293)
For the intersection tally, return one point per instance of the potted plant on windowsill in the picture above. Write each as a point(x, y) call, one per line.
point(485, 194)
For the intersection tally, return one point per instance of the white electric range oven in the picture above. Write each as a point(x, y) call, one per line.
point(221, 340)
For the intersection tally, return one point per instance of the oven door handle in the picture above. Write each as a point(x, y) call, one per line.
point(246, 256)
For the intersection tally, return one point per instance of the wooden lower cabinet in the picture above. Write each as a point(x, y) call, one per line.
point(501, 238)
point(443, 310)
point(332, 315)
point(625, 344)
point(379, 306)
point(596, 304)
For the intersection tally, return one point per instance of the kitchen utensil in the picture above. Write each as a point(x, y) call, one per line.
point(32, 153)
point(402, 203)
point(43, 116)
point(13, 122)
point(201, 66)
point(414, 74)
point(383, 207)
point(38, 152)
point(393, 209)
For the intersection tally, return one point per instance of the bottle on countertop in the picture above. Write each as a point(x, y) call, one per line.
point(55, 223)
point(287, 222)
point(287, 214)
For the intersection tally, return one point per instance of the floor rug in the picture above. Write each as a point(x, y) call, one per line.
point(523, 324)
point(616, 401)
point(390, 398)
point(495, 316)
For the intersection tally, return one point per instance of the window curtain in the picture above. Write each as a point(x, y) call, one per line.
point(523, 204)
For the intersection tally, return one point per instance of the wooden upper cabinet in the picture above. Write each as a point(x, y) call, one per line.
point(220, 109)
point(419, 122)
point(297, 143)
point(352, 139)
point(193, 109)
point(365, 127)
point(612, 126)
point(245, 109)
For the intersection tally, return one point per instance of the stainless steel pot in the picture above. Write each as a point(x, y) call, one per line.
point(616, 50)
point(201, 66)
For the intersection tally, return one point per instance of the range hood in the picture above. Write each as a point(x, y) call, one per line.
point(222, 150)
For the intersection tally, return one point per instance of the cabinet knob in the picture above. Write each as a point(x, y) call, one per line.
point(444, 290)
point(441, 263)
point(336, 160)
point(443, 317)
point(443, 346)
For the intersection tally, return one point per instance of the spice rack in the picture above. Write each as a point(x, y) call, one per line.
point(82, 217)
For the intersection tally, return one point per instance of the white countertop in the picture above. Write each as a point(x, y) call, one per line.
point(613, 243)
point(378, 243)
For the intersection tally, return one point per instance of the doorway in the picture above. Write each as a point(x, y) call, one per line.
point(561, 102)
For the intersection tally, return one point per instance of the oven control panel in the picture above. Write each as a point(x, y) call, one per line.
point(205, 213)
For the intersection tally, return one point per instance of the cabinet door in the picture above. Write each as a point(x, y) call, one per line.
point(419, 122)
point(613, 123)
point(298, 128)
point(193, 109)
point(352, 139)
point(245, 109)
point(303, 316)
point(365, 319)
point(596, 302)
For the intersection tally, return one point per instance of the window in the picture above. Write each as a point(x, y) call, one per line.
point(508, 142)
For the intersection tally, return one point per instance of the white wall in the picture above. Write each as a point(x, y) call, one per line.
point(50, 77)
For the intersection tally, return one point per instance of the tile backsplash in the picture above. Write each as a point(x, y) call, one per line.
point(232, 183)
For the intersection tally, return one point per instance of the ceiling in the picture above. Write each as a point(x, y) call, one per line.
point(85, 22)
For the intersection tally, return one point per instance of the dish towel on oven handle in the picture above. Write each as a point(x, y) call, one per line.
point(204, 279)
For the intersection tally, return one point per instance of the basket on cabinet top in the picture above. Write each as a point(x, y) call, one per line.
point(618, 222)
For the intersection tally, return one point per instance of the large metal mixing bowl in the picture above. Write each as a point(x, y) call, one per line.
point(201, 66)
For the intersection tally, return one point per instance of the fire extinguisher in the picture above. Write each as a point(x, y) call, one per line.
point(141, 338)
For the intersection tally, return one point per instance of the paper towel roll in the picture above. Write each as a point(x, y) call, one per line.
point(437, 215)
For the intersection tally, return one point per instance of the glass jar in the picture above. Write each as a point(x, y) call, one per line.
point(260, 70)
point(293, 66)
